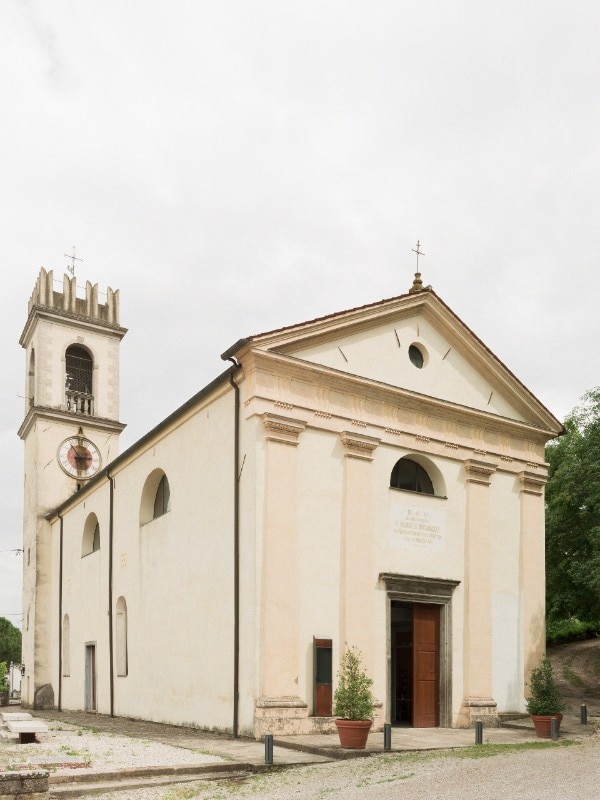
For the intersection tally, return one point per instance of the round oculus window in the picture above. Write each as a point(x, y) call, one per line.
point(416, 356)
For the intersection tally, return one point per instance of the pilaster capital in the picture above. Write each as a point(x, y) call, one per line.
point(357, 445)
point(283, 429)
point(532, 483)
point(479, 471)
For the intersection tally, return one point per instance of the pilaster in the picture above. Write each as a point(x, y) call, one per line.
point(279, 707)
point(478, 703)
point(357, 572)
point(532, 575)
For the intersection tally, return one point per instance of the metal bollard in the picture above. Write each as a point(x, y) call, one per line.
point(387, 736)
point(479, 733)
point(583, 711)
point(268, 748)
point(554, 729)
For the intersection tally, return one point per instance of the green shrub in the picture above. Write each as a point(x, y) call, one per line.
point(3, 677)
point(353, 698)
point(545, 698)
point(570, 629)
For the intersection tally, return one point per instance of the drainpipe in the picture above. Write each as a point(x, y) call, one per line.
point(110, 592)
point(60, 622)
point(236, 555)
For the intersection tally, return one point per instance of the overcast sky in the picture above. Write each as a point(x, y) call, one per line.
point(235, 166)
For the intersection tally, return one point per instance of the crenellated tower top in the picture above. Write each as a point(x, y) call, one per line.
point(44, 295)
point(72, 346)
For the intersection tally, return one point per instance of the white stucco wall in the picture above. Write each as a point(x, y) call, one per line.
point(175, 573)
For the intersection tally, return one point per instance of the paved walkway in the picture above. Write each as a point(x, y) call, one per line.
point(312, 749)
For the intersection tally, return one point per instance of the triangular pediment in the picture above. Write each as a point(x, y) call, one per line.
point(376, 342)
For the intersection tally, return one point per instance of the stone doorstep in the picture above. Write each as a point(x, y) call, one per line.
point(52, 765)
point(332, 751)
point(86, 789)
point(151, 772)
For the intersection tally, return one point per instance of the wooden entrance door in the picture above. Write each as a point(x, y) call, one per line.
point(426, 659)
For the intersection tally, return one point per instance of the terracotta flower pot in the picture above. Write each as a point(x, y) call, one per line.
point(353, 733)
point(542, 724)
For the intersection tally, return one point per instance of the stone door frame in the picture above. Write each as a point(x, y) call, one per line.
point(412, 589)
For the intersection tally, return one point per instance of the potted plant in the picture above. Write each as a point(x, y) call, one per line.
point(3, 684)
point(545, 700)
point(353, 701)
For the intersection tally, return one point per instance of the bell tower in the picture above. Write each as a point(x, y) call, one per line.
point(70, 431)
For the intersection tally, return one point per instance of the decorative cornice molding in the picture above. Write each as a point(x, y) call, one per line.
point(283, 429)
point(357, 445)
point(479, 471)
point(532, 483)
point(369, 389)
point(282, 404)
point(58, 415)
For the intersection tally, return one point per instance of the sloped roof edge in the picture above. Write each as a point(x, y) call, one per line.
point(256, 338)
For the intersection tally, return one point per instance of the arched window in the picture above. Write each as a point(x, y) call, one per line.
point(79, 370)
point(66, 646)
point(411, 476)
point(31, 379)
point(91, 535)
point(121, 637)
point(162, 500)
point(156, 497)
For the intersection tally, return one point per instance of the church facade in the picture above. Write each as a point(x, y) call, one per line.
point(373, 478)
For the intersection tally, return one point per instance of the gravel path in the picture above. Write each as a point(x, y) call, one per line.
point(103, 751)
point(558, 771)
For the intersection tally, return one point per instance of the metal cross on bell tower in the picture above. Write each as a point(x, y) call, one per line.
point(73, 258)
point(417, 282)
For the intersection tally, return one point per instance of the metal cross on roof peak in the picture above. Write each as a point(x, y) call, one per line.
point(417, 285)
point(418, 252)
point(73, 258)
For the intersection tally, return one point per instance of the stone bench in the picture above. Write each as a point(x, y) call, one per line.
point(26, 728)
point(15, 715)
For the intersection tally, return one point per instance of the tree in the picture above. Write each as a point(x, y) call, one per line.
point(573, 516)
point(10, 642)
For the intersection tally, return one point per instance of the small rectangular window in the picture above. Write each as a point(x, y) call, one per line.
point(323, 673)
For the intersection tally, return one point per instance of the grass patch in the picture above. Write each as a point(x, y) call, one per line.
point(479, 751)
point(488, 750)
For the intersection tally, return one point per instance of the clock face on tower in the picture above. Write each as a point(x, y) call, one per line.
point(79, 457)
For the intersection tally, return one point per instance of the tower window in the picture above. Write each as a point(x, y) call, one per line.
point(411, 477)
point(78, 380)
point(31, 379)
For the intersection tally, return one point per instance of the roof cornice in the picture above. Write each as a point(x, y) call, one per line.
point(58, 415)
point(70, 319)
